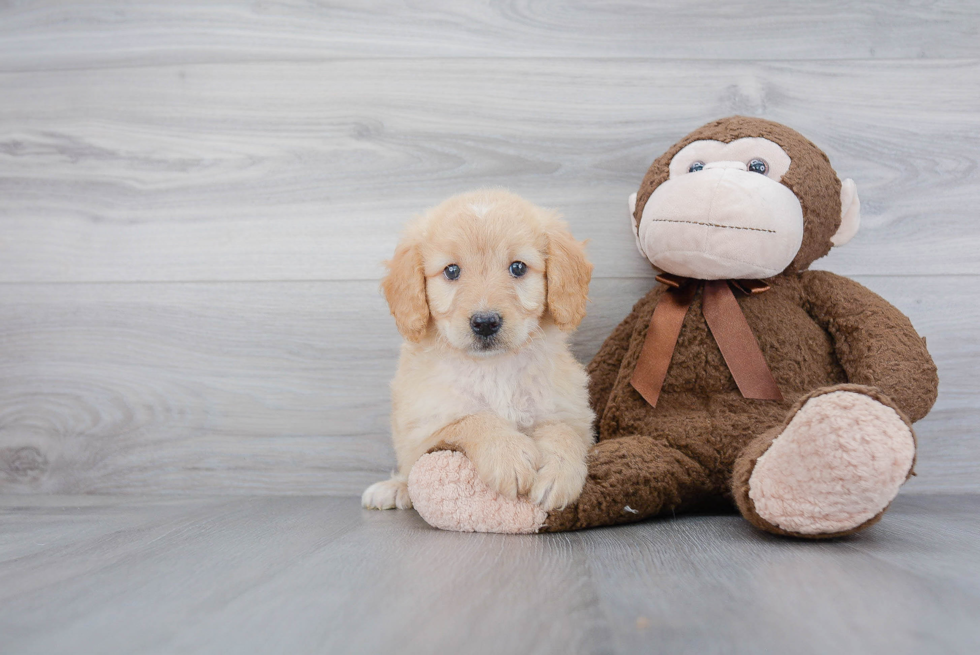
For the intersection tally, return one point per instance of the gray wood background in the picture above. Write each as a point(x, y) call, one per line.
point(195, 199)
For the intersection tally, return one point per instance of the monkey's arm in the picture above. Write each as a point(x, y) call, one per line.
point(875, 343)
point(604, 367)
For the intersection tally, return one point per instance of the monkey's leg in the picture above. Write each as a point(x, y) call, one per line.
point(831, 469)
point(630, 478)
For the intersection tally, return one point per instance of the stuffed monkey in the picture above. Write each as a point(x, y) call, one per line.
point(742, 376)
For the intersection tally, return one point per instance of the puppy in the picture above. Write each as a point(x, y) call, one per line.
point(485, 289)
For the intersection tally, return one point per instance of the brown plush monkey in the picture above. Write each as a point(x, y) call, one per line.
point(743, 376)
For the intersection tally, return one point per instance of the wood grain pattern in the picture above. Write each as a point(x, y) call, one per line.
point(307, 171)
point(195, 199)
point(302, 574)
point(282, 388)
point(45, 35)
point(700, 588)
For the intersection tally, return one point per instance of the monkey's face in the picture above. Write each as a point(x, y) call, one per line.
point(723, 213)
point(742, 198)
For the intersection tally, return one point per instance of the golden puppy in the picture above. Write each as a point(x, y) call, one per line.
point(485, 289)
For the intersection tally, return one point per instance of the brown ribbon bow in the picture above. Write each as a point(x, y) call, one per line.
point(727, 323)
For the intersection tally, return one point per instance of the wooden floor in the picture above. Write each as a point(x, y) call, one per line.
point(315, 574)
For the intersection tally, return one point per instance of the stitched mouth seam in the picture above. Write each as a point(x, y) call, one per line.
point(730, 227)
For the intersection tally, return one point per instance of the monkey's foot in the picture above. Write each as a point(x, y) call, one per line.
point(448, 494)
point(833, 469)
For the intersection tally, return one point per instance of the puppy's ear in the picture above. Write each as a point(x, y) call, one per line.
point(404, 288)
point(568, 273)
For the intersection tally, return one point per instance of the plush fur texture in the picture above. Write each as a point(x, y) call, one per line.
point(838, 428)
point(853, 373)
point(810, 177)
point(516, 400)
point(702, 424)
point(725, 221)
point(450, 495)
point(840, 440)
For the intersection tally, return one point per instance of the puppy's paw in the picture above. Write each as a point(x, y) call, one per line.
point(558, 482)
point(388, 494)
point(507, 463)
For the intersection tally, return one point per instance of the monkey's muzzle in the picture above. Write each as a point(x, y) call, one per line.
point(722, 222)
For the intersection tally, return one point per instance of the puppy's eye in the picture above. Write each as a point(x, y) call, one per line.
point(758, 166)
point(518, 269)
point(696, 166)
point(451, 272)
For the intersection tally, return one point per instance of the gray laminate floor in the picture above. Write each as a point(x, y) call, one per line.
point(316, 574)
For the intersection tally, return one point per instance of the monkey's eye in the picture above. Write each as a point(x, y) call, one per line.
point(758, 166)
point(695, 167)
point(518, 269)
point(451, 272)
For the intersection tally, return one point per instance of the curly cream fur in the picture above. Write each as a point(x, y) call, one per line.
point(520, 410)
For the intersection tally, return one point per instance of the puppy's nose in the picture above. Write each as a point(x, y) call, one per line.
point(486, 324)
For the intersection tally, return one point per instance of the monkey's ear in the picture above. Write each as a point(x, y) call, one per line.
point(850, 213)
point(633, 228)
point(404, 289)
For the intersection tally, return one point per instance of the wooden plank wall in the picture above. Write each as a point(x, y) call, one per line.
point(195, 199)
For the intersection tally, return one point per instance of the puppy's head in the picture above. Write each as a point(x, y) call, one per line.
point(485, 270)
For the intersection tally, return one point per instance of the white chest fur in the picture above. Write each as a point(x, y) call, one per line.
point(518, 387)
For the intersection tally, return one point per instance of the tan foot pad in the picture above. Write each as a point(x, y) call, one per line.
point(448, 494)
point(838, 464)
